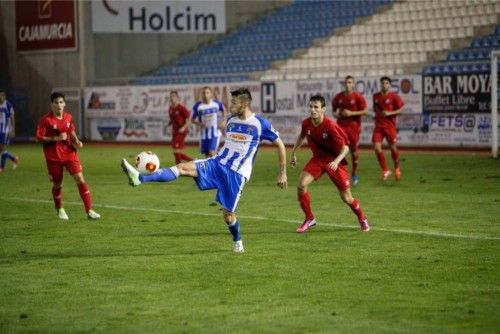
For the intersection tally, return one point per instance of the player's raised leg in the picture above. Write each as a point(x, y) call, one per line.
point(305, 201)
point(161, 175)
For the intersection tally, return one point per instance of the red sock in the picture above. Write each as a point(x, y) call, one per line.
point(356, 208)
point(305, 204)
point(355, 159)
point(395, 158)
point(85, 195)
point(179, 157)
point(381, 160)
point(57, 196)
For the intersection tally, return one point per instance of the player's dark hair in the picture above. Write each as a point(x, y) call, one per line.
point(349, 77)
point(206, 87)
point(242, 93)
point(174, 92)
point(57, 95)
point(385, 78)
point(318, 98)
point(2, 90)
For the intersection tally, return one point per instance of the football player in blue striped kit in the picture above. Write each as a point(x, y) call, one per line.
point(210, 116)
point(7, 130)
point(230, 169)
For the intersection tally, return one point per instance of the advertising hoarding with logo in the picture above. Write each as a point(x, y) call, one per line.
point(455, 93)
point(46, 25)
point(159, 16)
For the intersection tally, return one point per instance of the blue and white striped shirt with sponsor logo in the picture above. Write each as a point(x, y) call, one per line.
point(209, 114)
point(6, 113)
point(242, 141)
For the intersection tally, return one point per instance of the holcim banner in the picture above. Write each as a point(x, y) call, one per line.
point(46, 25)
point(191, 17)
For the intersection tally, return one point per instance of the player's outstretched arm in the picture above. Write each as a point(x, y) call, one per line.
point(282, 179)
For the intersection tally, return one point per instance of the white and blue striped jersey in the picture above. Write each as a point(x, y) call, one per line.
point(242, 141)
point(6, 114)
point(209, 114)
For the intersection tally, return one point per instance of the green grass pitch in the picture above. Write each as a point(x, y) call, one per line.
point(160, 260)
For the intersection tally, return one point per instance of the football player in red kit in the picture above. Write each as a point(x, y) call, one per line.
point(386, 105)
point(56, 132)
point(180, 118)
point(348, 107)
point(329, 145)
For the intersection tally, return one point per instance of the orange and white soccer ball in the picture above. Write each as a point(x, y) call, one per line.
point(147, 162)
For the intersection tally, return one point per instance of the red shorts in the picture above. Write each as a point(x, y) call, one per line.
point(352, 130)
point(317, 168)
point(178, 140)
point(56, 169)
point(379, 133)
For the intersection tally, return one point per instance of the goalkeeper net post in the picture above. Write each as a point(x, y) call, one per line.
point(495, 55)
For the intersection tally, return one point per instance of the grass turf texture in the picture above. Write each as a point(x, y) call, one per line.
point(160, 258)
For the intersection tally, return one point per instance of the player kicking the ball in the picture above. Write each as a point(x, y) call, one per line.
point(329, 145)
point(230, 169)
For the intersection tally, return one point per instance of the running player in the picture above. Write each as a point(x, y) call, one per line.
point(180, 118)
point(386, 105)
point(348, 107)
point(7, 130)
point(329, 145)
point(210, 116)
point(230, 169)
point(56, 132)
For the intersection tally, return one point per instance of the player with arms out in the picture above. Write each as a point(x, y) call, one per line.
point(210, 116)
point(180, 118)
point(7, 130)
point(329, 145)
point(230, 169)
point(386, 105)
point(56, 132)
point(348, 107)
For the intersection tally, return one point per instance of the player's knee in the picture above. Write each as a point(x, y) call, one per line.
point(229, 217)
point(346, 197)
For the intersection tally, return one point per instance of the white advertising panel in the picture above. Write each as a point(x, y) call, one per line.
point(159, 16)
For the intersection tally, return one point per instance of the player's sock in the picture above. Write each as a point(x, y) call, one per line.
point(234, 228)
point(395, 158)
point(85, 195)
point(161, 175)
point(355, 159)
point(305, 204)
point(3, 160)
point(381, 160)
point(57, 196)
point(178, 158)
point(356, 208)
point(185, 157)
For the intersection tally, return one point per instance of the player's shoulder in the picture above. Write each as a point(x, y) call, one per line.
point(197, 105)
point(218, 102)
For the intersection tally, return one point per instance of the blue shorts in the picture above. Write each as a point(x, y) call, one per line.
point(4, 138)
point(229, 184)
point(207, 145)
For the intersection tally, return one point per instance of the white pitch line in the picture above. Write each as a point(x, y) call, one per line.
point(292, 221)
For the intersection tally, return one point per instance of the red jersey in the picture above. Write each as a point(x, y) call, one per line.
point(353, 101)
point(50, 126)
point(388, 102)
point(178, 116)
point(325, 140)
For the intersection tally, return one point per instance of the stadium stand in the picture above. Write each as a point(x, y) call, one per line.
point(402, 39)
point(254, 48)
point(473, 59)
